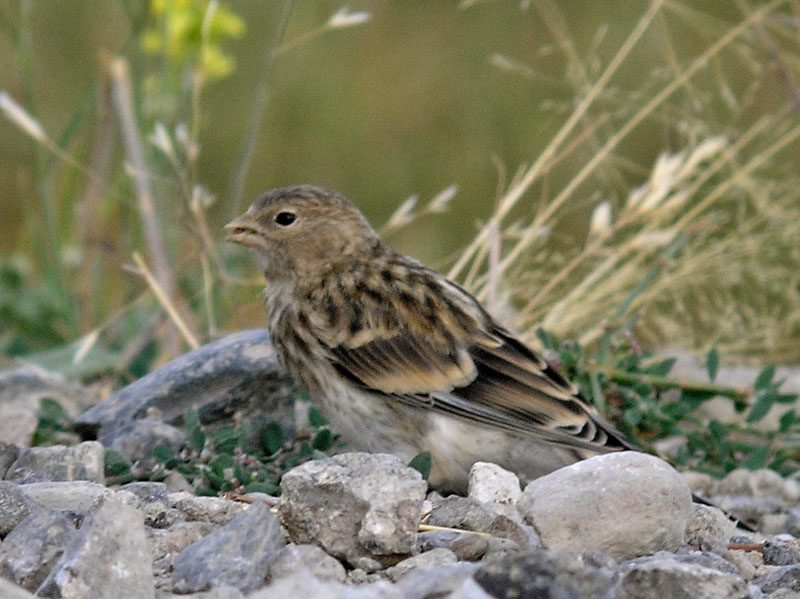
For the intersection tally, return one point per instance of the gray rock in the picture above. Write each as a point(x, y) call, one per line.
point(436, 558)
point(109, 557)
point(364, 508)
point(665, 576)
point(8, 455)
point(147, 491)
point(780, 551)
point(236, 374)
point(136, 440)
point(625, 504)
point(435, 582)
point(21, 391)
point(33, 547)
point(781, 594)
point(303, 585)
point(755, 483)
point(209, 509)
point(749, 509)
point(782, 577)
point(77, 496)
point(238, 554)
point(8, 590)
point(695, 558)
point(221, 592)
point(59, 463)
point(467, 546)
point(463, 513)
point(14, 506)
point(709, 529)
point(489, 483)
point(545, 573)
point(153, 500)
point(293, 558)
point(469, 589)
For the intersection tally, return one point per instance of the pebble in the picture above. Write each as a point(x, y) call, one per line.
point(625, 504)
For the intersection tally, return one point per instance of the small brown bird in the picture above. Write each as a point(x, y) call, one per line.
point(400, 359)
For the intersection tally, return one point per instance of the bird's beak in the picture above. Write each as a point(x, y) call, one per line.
point(244, 230)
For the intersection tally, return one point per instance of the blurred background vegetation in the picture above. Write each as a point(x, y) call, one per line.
point(586, 166)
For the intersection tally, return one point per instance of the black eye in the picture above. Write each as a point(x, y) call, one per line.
point(284, 219)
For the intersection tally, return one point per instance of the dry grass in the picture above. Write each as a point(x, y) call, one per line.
point(703, 251)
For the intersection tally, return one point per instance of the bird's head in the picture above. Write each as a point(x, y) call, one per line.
point(302, 230)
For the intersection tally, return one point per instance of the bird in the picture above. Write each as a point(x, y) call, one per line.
point(399, 358)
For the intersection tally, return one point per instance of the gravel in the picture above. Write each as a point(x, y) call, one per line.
point(357, 525)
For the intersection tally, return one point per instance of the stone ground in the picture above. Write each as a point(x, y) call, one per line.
point(358, 525)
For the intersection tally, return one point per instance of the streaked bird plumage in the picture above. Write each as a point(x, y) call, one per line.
point(402, 360)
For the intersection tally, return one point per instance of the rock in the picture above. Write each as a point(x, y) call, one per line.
point(467, 546)
point(782, 577)
point(136, 440)
point(709, 529)
point(659, 577)
point(754, 483)
point(238, 554)
point(153, 501)
point(209, 509)
point(236, 374)
point(33, 547)
point(77, 496)
point(469, 589)
point(364, 508)
point(59, 463)
point(14, 506)
point(109, 557)
point(750, 509)
point(435, 582)
point(8, 455)
point(463, 513)
point(625, 504)
point(436, 558)
point(544, 573)
point(489, 483)
point(293, 558)
point(303, 585)
point(8, 590)
point(21, 392)
point(780, 551)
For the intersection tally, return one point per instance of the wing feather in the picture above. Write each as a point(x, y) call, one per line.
point(483, 373)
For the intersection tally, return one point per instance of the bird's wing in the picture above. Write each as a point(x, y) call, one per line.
point(487, 376)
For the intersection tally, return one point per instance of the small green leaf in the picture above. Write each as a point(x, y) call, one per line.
point(270, 488)
point(315, 417)
point(272, 438)
point(764, 378)
point(195, 436)
point(116, 463)
point(712, 364)
point(787, 421)
point(422, 462)
point(163, 454)
point(222, 463)
point(761, 406)
point(548, 340)
point(225, 439)
point(661, 368)
point(323, 440)
point(758, 459)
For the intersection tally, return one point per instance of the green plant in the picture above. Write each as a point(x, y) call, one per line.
point(636, 392)
point(221, 461)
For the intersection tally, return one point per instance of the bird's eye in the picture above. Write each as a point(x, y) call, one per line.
point(284, 219)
